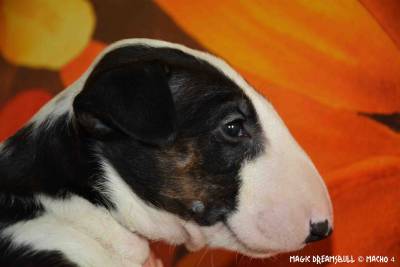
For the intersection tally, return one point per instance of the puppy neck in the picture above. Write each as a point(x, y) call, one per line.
point(145, 219)
point(48, 159)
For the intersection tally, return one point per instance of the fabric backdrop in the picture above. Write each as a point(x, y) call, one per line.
point(331, 68)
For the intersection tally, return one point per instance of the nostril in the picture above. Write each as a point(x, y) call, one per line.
point(318, 231)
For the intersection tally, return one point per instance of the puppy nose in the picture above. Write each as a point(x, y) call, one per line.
point(318, 231)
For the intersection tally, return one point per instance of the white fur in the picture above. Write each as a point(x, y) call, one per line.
point(5, 150)
point(2, 145)
point(86, 234)
point(138, 216)
point(61, 104)
point(281, 193)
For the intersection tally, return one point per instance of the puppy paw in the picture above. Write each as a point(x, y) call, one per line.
point(132, 249)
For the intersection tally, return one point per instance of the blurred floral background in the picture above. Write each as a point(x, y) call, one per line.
point(331, 68)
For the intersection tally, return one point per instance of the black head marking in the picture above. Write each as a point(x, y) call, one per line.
point(196, 175)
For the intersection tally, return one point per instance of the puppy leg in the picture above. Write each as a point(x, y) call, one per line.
point(46, 233)
point(98, 223)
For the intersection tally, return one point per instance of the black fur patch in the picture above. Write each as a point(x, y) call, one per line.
point(24, 256)
point(51, 159)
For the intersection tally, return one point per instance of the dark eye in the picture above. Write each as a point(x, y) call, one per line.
point(235, 129)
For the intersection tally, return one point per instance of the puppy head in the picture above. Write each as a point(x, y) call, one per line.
point(191, 138)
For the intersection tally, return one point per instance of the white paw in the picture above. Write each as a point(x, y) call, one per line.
point(131, 249)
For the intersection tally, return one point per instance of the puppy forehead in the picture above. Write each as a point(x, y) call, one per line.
point(198, 76)
point(142, 53)
point(176, 53)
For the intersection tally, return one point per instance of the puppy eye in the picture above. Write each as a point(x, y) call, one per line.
point(235, 129)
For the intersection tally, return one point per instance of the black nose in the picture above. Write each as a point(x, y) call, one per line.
point(318, 231)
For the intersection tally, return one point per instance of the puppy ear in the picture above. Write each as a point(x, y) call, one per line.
point(132, 98)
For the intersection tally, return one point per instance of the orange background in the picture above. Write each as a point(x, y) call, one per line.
point(331, 68)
